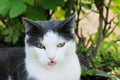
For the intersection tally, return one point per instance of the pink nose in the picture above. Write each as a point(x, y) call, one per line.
point(51, 58)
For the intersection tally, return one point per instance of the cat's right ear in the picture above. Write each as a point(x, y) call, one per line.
point(29, 25)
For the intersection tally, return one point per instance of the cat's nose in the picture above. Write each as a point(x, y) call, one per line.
point(51, 58)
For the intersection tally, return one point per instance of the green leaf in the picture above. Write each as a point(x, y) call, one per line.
point(17, 8)
point(115, 9)
point(51, 4)
point(116, 2)
point(88, 72)
point(86, 5)
point(8, 39)
point(6, 32)
point(59, 13)
point(16, 35)
point(14, 7)
point(31, 2)
point(1, 28)
point(4, 7)
point(35, 13)
point(103, 74)
point(15, 39)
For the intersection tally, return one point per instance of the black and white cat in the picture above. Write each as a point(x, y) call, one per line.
point(50, 50)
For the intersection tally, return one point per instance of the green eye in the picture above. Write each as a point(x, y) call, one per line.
point(61, 44)
point(40, 45)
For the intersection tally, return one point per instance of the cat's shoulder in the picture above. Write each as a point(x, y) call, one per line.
point(12, 62)
point(6, 54)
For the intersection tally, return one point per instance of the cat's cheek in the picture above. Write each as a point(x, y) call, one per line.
point(43, 59)
point(42, 62)
point(59, 58)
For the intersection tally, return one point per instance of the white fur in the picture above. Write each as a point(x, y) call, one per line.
point(67, 64)
point(9, 77)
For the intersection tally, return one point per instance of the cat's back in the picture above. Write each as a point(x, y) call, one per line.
point(11, 60)
point(11, 53)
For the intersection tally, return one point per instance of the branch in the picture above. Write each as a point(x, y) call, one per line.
point(68, 7)
point(109, 27)
point(78, 9)
point(84, 16)
point(81, 39)
point(106, 17)
point(3, 22)
point(100, 36)
point(99, 5)
point(2, 19)
point(112, 30)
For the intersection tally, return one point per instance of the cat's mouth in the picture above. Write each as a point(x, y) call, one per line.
point(52, 63)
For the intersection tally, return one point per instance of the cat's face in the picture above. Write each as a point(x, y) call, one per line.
point(50, 42)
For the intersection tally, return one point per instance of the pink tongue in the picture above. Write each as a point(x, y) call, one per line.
point(52, 63)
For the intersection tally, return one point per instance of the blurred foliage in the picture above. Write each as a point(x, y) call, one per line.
point(108, 57)
point(107, 60)
point(90, 74)
point(108, 54)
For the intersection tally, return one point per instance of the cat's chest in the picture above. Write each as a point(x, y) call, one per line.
point(69, 69)
point(68, 72)
point(62, 74)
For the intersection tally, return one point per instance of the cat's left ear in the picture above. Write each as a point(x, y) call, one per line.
point(29, 25)
point(69, 24)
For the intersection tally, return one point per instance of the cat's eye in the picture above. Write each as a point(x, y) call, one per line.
point(40, 45)
point(61, 44)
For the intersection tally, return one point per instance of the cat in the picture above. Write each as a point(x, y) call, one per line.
point(51, 50)
point(49, 53)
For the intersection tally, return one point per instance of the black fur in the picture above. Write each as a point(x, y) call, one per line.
point(12, 64)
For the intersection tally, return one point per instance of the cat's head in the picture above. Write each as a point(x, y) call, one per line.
point(50, 42)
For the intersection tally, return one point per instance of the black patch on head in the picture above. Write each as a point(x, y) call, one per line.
point(65, 28)
point(33, 28)
point(36, 30)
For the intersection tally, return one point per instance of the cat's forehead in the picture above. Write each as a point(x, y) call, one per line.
point(52, 37)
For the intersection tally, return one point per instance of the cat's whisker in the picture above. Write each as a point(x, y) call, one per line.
point(22, 62)
point(25, 75)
